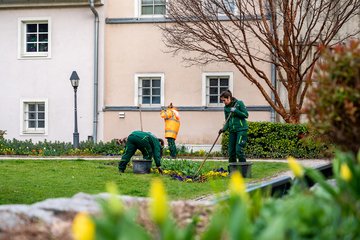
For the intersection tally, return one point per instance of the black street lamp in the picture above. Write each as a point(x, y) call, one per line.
point(74, 79)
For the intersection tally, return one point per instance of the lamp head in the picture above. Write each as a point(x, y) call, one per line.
point(74, 79)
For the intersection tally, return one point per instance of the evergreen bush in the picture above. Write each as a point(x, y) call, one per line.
point(266, 140)
point(2, 133)
point(334, 102)
point(279, 140)
point(57, 148)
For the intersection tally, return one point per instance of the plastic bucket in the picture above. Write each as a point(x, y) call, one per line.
point(141, 166)
point(243, 167)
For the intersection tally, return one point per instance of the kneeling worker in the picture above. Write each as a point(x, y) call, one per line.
point(149, 145)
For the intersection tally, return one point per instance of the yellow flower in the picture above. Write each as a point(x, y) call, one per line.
point(345, 172)
point(158, 205)
point(295, 167)
point(237, 185)
point(113, 201)
point(83, 227)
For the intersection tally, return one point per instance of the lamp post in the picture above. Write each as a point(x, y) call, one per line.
point(74, 79)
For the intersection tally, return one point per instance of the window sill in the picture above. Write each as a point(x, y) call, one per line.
point(153, 16)
point(33, 133)
point(34, 56)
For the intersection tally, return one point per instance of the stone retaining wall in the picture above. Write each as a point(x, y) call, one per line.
point(52, 218)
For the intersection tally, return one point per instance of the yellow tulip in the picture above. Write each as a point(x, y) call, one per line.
point(158, 205)
point(345, 172)
point(237, 185)
point(295, 167)
point(113, 201)
point(112, 188)
point(83, 228)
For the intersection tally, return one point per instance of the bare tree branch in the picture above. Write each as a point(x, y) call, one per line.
point(249, 33)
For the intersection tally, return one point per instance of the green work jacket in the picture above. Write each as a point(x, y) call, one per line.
point(237, 121)
point(154, 143)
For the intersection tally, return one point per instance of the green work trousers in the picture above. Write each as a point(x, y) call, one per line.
point(134, 143)
point(172, 147)
point(237, 141)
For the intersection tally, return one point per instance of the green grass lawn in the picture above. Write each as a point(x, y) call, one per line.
point(29, 181)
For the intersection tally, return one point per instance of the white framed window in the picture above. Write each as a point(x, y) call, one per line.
point(213, 84)
point(214, 5)
point(150, 8)
point(231, 6)
point(34, 38)
point(34, 116)
point(149, 89)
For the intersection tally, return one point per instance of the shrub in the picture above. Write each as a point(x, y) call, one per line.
point(334, 103)
point(266, 140)
point(102, 148)
point(2, 133)
point(57, 148)
point(279, 140)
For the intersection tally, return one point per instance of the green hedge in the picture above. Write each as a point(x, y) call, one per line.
point(279, 140)
point(47, 148)
point(2, 133)
point(266, 140)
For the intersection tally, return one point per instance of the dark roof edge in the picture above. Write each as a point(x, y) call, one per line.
point(46, 5)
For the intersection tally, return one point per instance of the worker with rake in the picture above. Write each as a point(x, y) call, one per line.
point(150, 146)
point(172, 125)
point(235, 115)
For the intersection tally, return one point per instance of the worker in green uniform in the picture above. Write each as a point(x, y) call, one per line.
point(149, 145)
point(236, 124)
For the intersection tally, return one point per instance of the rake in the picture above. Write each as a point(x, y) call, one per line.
point(208, 154)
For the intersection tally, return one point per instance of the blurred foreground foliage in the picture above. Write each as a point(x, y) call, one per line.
point(326, 211)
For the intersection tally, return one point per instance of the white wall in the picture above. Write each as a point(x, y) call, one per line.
point(72, 48)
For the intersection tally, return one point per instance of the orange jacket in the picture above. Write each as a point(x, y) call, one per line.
point(172, 122)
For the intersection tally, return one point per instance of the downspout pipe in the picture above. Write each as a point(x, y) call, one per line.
point(96, 69)
point(273, 73)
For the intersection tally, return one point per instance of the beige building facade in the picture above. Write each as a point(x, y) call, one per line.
point(141, 78)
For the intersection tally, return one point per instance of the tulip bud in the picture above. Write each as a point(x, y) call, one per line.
point(83, 228)
point(345, 172)
point(114, 202)
point(158, 205)
point(237, 185)
point(295, 167)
